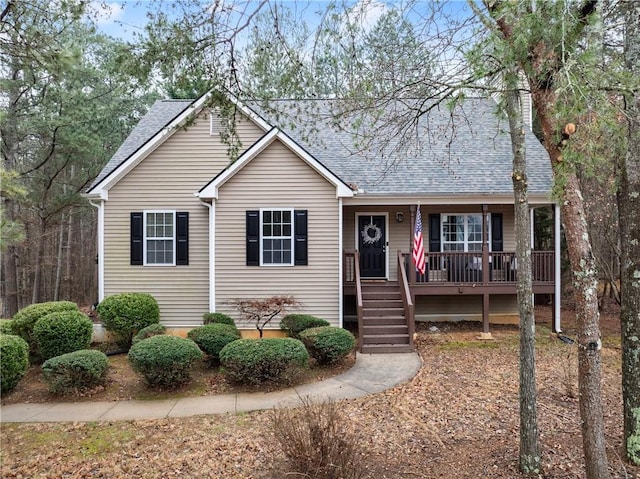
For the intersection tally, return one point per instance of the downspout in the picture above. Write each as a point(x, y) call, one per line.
point(100, 208)
point(212, 255)
point(340, 268)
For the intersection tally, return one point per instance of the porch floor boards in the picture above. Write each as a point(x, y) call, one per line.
point(385, 328)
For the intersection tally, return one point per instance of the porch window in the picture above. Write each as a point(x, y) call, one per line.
point(462, 232)
point(277, 237)
point(159, 228)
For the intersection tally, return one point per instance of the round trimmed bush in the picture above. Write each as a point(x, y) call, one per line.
point(125, 314)
point(25, 319)
point(258, 361)
point(164, 360)
point(209, 318)
point(62, 332)
point(294, 324)
point(76, 371)
point(147, 332)
point(6, 326)
point(328, 344)
point(14, 361)
point(211, 338)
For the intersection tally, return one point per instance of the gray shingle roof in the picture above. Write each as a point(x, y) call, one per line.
point(466, 151)
point(159, 115)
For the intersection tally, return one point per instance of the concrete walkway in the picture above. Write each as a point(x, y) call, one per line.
point(372, 373)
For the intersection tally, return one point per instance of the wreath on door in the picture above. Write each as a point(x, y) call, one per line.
point(371, 234)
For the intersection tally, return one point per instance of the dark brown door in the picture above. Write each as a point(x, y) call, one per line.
point(372, 238)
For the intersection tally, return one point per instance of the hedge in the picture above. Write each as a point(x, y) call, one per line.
point(25, 319)
point(6, 326)
point(265, 360)
point(76, 371)
point(164, 360)
point(148, 331)
point(125, 314)
point(294, 324)
point(328, 344)
point(210, 318)
point(211, 338)
point(14, 361)
point(62, 332)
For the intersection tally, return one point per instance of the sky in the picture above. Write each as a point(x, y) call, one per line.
point(121, 18)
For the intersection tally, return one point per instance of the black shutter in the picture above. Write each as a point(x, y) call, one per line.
point(434, 233)
point(253, 238)
point(300, 237)
point(136, 238)
point(496, 232)
point(182, 238)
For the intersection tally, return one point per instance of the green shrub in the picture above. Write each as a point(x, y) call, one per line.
point(211, 338)
point(127, 313)
point(62, 332)
point(76, 371)
point(6, 326)
point(209, 318)
point(328, 344)
point(294, 324)
point(148, 331)
point(164, 360)
point(25, 319)
point(14, 361)
point(258, 361)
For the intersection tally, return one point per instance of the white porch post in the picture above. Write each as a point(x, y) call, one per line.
point(556, 293)
point(100, 208)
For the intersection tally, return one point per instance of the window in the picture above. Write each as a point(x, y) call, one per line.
point(462, 232)
point(160, 238)
point(159, 234)
point(277, 237)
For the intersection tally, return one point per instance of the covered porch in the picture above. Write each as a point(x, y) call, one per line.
point(477, 279)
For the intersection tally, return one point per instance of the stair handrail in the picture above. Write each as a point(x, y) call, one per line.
point(359, 307)
point(407, 302)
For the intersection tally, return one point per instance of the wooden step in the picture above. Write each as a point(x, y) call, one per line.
point(376, 320)
point(382, 303)
point(385, 339)
point(385, 329)
point(370, 312)
point(386, 348)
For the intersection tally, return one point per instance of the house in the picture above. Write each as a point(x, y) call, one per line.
point(303, 211)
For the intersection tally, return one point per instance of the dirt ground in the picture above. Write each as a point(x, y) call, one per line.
point(458, 418)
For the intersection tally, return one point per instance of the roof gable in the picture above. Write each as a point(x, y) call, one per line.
point(163, 119)
point(210, 191)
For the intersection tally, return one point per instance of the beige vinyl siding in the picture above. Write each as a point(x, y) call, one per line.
point(167, 180)
point(277, 178)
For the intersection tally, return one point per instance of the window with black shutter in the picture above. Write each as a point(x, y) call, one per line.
point(276, 237)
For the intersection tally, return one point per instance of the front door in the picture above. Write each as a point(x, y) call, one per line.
point(372, 240)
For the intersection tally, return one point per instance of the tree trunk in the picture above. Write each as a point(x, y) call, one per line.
point(37, 269)
point(56, 289)
point(629, 207)
point(9, 273)
point(529, 458)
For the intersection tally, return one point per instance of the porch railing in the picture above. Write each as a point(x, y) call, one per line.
point(359, 306)
point(458, 267)
point(407, 301)
point(469, 267)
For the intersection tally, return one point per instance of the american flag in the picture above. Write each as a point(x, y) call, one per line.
point(418, 245)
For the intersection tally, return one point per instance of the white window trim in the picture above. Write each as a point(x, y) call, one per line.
point(466, 242)
point(145, 238)
point(292, 238)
